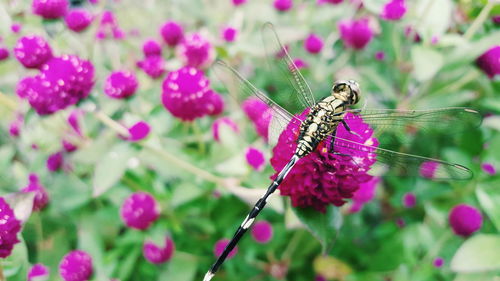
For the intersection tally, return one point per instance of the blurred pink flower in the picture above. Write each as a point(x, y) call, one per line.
point(334, 2)
point(55, 161)
point(223, 121)
point(259, 113)
point(219, 248)
point(283, 5)
point(409, 200)
point(32, 51)
point(428, 169)
point(157, 254)
point(410, 31)
point(394, 10)
point(76, 266)
point(9, 228)
point(356, 34)
point(255, 158)
point(465, 220)
point(262, 232)
point(313, 43)
point(16, 27)
point(68, 146)
point(50, 9)
point(300, 63)
point(151, 48)
point(4, 53)
point(172, 33)
point(489, 168)
point(489, 61)
point(215, 104)
point(73, 121)
point(496, 19)
point(41, 196)
point(120, 84)
point(139, 131)
point(78, 19)
point(438, 262)
point(196, 51)
point(140, 210)
point(364, 194)
point(239, 2)
point(380, 55)
point(153, 66)
point(38, 272)
point(229, 34)
point(15, 125)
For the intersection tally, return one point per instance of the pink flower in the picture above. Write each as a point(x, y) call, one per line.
point(300, 63)
point(215, 104)
point(78, 19)
point(438, 262)
point(108, 27)
point(157, 254)
point(73, 121)
point(55, 161)
point(38, 272)
point(428, 169)
point(313, 44)
point(496, 19)
point(409, 31)
point(219, 248)
point(172, 33)
point(15, 126)
point(32, 51)
point(4, 53)
point(409, 200)
point(16, 27)
point(153, 66)
point(380, 55)
point(41, 196)
point(262, 232)
point(196, 51)
point(120, 84)
point(9, 228)
point(223, 121)
point(322, 178)
point(489, 168)
point(186, 92)
point(68, 146)
point(333, 2)
point(139, 131)
point(356, 34)
point(229, 34)
point(465, 220)
point(239, 2)
point(76, 266)
point(489, 61)
point(259, 113)
point(364, 194)
point(151, 48)
point(140, 210)
point(255, 158)
point(50, 9)
point(283, 5)
point(394, 10)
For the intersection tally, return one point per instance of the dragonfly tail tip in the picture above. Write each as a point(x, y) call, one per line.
point(208, 276)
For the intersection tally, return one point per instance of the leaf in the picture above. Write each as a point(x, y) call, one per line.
point(426, 62)
point(127, 266)
point(21, 203)
point(478, 254)
point(111, 168)
point(182, 267)
point(488, 200)
point(324, 227)
point(16, 265)
point(434, 17)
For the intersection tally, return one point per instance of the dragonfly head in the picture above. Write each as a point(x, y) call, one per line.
point(346, 90)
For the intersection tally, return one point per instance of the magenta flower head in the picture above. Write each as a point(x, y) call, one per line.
point(428, 169)
point(380, 55)
point(4, 53)
point(32, 51)
point(9, 228)
point(255, 158)
point(78, 19)
point(465, 220)
point(356, 34)
point(41, 196)
point(50, 9)
point(313, 43)
point(38, 272)
point(394, 10)
point(229, 34)
point(411, 32)
point(259, 113)
point(120, 84)
point(300, 63)
point(15, 126)
point(239, 2)
point(151, 48)
point(364, 194)
point(215, 104)
point(55, 161)
point(223, 122)
point(322, 178)
point(283, 5)
point(16, 27)
point(196, 51)
point(76, 266)
point(489, 168)
point(158, 254)
point(333, 2)
point(186, 92)
point(172, 33)
point(262, 232)
point(489, 62)
point(73, 121)
point(139, 131)
point(140, 210)
point(438, 262)
point(219, 248)
point(153, 66)
point(409, 200)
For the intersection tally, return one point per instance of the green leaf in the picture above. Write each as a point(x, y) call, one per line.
point(127, 266)
point(182, 267)
point(324, 227)
point(111, 168)
point(478, 254)
point(434, 17)
point(16, 265)
point(426, 62)
point(488, 199)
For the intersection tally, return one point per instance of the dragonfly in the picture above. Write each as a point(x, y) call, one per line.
point(327, 114)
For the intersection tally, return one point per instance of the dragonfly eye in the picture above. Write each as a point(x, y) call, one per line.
point(349, 90)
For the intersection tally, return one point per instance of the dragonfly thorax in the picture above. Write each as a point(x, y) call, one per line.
point(347, 91)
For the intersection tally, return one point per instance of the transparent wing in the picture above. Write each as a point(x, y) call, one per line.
point(293, 87)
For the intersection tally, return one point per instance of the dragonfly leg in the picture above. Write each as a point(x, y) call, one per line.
point(346, 126)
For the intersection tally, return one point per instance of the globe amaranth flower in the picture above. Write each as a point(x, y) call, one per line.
point(313, 43)
point(41, 196)
point(409, 200)
point(411, 32)
point(283, 5)
point(262, 231)
point(428, 169)
point(496, 19)
point(239, 2)
point(32, 51)
point(68, 146)
point(333, 2)
point(215, 104)
point(9, 228)
point(16, 27)
point(300, 63)
point(76, 266)
point(139, 131)
point(364, 194)
point(151, 48)
point(465, 220)
point(356, 34)
point(73, 121)
point(158, 254)
point(438, 262)
point(259, 113)
point(55, 161)
point(50, 9)
point(196, 51)
point(120, 84)
point(489, 168)
point(394, 10)
point(187, 93)
point(172, 33)
point(78, 19)
point(380, 55)
point(140, 210)
point(255, 158)
point(4, 53)
point(489, 61)
point(322, 178)
point(38, 272)
point(229, 34)
point(219, 248)
point(223, 122)
point(15, 125)
point(153, 66)
point(108, 27)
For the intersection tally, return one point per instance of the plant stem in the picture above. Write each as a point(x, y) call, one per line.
point(117, 127)
point(7, 101)
point(479, 20)
point(199, 136)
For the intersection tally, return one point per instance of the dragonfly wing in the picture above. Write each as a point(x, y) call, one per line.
point(276, 127)
point(280, 63)
point(406, 164)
